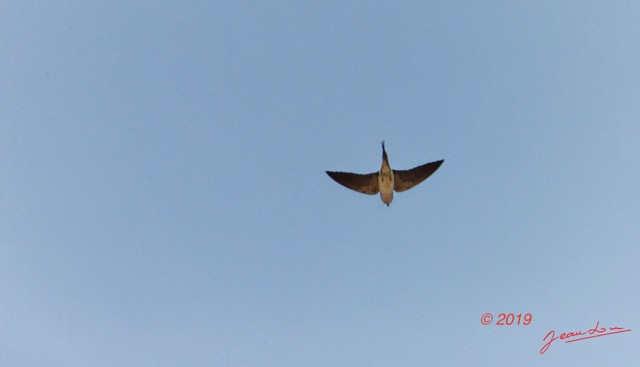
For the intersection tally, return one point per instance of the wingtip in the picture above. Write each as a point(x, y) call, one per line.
point(438, 164)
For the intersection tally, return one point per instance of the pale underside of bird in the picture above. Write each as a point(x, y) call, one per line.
point(387, 180)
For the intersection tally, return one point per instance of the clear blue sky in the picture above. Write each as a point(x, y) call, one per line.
point(164, 202)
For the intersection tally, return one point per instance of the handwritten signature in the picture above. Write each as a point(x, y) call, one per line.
point(593, 333)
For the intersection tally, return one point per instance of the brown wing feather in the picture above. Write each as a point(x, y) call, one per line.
point(366, 184)
point(404, 180)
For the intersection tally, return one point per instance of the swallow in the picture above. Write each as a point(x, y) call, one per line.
point(387, 180)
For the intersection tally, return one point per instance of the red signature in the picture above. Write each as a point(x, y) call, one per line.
point(593, 333)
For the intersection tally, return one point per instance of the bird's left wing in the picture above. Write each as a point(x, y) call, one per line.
point(366, 184)
point(404, 180)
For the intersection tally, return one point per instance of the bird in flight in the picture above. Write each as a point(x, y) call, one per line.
point(386, 180)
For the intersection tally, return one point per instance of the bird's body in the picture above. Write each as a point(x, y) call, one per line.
point(386, 180)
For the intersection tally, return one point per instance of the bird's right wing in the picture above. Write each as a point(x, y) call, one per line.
point(404, 180)
point(366, 184)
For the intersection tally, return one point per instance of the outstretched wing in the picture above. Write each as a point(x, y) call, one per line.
point(404, 180)
point(366, 184)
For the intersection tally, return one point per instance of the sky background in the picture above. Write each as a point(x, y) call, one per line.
point(163, 200)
